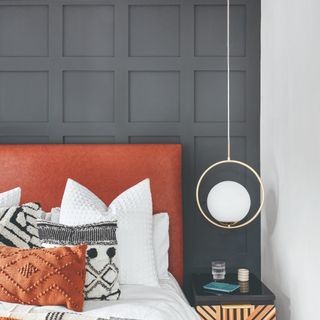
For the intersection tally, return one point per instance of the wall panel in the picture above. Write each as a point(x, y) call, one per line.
point(24, 30)
point(133, 71)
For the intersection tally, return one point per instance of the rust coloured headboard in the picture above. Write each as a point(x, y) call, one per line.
point(107, 170)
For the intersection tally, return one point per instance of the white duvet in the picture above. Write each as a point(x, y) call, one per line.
point(136, 302)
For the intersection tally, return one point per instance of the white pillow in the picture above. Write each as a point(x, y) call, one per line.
point(10, 198)
point(161, 244)
point(78, 202)
point(133, 210)
point(53, 215)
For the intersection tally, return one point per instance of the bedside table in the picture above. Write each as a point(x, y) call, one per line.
point(254, 302)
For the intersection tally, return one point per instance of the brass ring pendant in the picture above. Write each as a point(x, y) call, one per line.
point(231, 225)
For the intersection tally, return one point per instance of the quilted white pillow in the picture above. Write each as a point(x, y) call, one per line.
point(133, 210)
point(10, 198)
point(79, 203)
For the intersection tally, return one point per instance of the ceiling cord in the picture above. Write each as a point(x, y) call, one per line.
point(228, 77)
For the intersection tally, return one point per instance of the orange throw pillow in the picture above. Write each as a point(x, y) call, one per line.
point(43, 276)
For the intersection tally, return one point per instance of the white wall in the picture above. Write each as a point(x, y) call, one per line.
point(290, 155)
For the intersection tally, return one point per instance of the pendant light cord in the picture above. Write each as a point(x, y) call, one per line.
point(228, 77)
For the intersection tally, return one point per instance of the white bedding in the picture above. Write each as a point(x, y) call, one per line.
point(166, 302)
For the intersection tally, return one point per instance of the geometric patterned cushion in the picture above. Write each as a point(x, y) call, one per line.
point(102, 272)
point(18, 226)
point(43, 276)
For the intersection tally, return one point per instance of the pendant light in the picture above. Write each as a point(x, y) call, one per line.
point(229, 202)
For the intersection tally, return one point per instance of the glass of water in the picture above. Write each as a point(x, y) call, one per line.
point(218, 270)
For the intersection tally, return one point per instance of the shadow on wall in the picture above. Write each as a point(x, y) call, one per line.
point(271, 211)
point(283, 306)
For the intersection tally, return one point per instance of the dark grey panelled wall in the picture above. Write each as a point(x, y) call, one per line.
point(132, 71)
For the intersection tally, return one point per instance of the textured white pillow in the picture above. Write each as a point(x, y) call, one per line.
point(80, 206)
point(10, 198)
point(161, 244)
point(133, 210)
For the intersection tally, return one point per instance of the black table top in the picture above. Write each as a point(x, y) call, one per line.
point(253, 293)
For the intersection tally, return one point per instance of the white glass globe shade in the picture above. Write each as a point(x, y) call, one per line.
point(228, 201)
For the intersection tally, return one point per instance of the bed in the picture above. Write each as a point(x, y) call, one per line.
point(41, 171)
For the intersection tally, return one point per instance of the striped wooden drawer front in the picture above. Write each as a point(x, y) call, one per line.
point(237, 312)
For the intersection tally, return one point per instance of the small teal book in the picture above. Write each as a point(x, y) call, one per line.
point(221, 287)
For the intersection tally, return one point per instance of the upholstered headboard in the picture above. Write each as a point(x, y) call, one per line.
point(107, 170)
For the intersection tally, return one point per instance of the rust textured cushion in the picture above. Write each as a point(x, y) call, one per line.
point(43, 276)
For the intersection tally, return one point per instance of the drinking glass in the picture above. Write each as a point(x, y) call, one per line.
point(218, 270)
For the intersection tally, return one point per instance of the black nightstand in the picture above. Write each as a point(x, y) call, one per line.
point(250, 302)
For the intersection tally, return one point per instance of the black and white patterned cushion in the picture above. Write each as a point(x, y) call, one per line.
point(102, 267)
point(18, 226)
